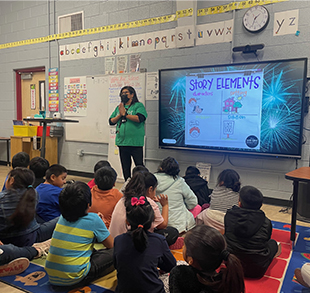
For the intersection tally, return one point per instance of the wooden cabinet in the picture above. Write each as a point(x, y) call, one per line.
point(25, 144)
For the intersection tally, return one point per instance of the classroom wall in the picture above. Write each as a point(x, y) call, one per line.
point(21, 20)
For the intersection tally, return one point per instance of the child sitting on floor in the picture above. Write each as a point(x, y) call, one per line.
point(181, 198)
point(144, 183)
point(72, 259)
point(39, 166)
point(104, 196)
point(138, 253)
point(197, 184)
point(248, 232)
point(98, 165)
point(20, 159)
point(139, 168)
point(205, 250)
point(223, 197)
point(48, 206)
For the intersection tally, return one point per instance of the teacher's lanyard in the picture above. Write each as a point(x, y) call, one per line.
point(126, 111)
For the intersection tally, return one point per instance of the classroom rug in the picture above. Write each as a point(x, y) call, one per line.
point(279, 277)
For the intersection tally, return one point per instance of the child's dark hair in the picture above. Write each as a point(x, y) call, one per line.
point(26, 207)
point(56, 170)
point(20, 159)
point(105, 178)
point(39, 166)
point(230, 179)
point(191, 170)
point(139, 168)
point(74, 200)
point(101, 164)
point(207, 247)
point(251, 198)
point(139, 184)
point(140, 215)
point(169, 166)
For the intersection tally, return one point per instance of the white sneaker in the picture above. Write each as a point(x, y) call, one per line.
point(14, 267)
point(43, 248)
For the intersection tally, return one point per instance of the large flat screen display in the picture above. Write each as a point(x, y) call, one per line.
point(254, 108)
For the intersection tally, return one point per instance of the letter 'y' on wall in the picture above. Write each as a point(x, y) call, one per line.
point(285, 22)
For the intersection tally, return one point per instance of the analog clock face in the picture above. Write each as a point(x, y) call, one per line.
point(255, 19)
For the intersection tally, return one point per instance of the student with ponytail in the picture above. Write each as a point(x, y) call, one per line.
point(224, 196)
point(17, 214)
point(19, 229)
point(144, 183)
point(138, 253)
point(211, 267)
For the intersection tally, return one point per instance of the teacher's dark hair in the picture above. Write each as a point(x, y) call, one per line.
point(132, 91)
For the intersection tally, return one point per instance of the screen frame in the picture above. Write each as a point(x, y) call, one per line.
point(239, 152)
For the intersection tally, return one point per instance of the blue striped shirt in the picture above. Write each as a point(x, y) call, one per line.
point(68, 260)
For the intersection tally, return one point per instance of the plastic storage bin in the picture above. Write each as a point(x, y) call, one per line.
point(40, 130)
point(25, 130)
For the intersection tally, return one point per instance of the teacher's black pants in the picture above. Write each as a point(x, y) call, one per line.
point(125, 153)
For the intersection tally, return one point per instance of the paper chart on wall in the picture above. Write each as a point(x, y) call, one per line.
point(122, 64)
point(109, 65)
point(93, 127)
point(75, 96)
point(152, 86)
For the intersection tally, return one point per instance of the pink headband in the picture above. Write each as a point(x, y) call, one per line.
point(136, 202)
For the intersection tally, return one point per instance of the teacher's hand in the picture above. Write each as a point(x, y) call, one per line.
point(122, 109)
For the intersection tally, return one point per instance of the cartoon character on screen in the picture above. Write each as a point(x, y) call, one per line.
point(194, 132)
point(193, 103)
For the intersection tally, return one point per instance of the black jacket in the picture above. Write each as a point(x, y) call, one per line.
point(247, 233)
point(199, 186)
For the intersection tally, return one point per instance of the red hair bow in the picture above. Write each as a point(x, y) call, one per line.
point(136, 202)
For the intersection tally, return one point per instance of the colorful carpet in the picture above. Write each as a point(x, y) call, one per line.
point(279, 277)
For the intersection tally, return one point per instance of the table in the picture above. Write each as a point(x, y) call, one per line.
point(45, 121)
point(298, 175)
point(7, 139)
point(26, 144)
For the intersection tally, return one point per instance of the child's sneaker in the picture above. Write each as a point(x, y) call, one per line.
point(42, 247)
point(279, 249)
point(178, 244)
point(14, 267)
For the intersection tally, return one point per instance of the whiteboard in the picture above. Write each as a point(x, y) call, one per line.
point(93, 127)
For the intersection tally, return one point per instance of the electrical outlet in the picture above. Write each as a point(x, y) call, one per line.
point(80, 153)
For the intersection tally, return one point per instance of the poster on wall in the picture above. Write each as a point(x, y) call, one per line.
point(53, 94)
point(109, 65)
point(134, 63)
point(121, 63)
point(33, 97)
point(75, 96)
point(152, 86)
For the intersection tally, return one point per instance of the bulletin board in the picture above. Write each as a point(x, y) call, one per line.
point(102, 98)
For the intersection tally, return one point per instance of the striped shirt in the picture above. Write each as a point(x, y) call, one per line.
point(68, 260)
point(223, 198)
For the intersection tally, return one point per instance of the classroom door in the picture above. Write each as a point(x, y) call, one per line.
point(33, 94)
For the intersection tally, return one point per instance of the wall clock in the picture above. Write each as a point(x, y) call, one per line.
point(256, 19)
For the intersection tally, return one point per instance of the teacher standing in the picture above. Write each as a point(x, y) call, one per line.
point(130, 117)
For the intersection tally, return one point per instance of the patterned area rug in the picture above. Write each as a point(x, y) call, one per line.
point(279, 277)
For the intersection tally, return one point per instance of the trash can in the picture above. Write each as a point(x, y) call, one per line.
point(303, 203)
